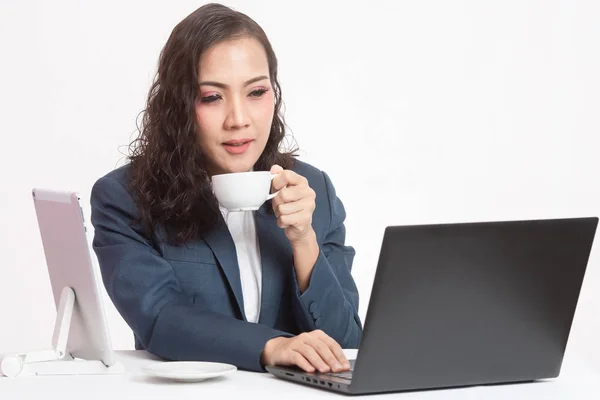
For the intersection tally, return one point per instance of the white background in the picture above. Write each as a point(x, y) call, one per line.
point(420, 111)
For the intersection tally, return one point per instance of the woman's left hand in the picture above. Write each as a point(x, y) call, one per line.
point(293, 205)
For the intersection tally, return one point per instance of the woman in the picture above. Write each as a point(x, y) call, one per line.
point(193, 281)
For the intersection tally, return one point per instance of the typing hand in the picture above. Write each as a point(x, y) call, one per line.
point(310, 351)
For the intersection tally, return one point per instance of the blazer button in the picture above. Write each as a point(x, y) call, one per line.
point(316, 314)
point(318, 322)
point(313, 307)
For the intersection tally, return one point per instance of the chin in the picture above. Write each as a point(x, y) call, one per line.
point(227, 163)
point(242, 166)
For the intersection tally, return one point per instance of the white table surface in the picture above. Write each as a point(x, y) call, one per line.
point(577, 381)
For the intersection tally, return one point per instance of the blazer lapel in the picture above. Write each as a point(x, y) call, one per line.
point(277, 258)
point(222, 245)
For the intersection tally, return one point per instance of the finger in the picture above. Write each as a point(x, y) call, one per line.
point(298, 219)
point(294, 207)
point(288, 178)
point(335, 348)
point(299, 360)
point(313, 357)
point(295, 193)
point(280, 181)
point(276, 169)
point(287, 195)
point(326, 354)
point(298, 198)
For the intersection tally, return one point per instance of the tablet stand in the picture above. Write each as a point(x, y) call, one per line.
point(56, 361)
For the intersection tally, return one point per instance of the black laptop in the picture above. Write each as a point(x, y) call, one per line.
point(466, 304)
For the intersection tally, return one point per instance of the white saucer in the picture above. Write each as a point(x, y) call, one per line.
point(188, 371)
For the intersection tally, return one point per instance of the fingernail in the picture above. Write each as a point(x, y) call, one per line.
point(337, 366)
point(347, 364)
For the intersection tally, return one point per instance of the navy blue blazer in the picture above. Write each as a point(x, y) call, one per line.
point(185, 302)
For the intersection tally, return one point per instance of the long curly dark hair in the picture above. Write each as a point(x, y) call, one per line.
point(169, 179)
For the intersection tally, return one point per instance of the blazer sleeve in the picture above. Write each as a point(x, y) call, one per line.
point(330, 303)
point(143, 287)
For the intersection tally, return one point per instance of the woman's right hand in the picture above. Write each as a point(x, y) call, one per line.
point(310, 351)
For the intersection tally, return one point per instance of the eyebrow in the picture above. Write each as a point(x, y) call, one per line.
point(225, 86)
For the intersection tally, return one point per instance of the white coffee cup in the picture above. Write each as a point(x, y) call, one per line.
point(243, 191)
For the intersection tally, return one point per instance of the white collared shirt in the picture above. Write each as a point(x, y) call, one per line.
point(243, 231)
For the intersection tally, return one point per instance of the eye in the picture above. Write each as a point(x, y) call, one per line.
point(258, 92)
point(210, 99)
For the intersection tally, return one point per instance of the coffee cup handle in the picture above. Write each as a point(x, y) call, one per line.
point(271, 195)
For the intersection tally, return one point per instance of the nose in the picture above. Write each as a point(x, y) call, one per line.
point(237, 115)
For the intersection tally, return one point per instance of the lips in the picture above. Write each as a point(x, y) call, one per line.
point(237, 142)
point(237, 146)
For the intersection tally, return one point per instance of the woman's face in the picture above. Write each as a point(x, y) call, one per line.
point(236, 105)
